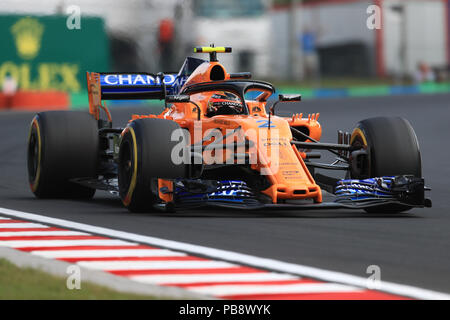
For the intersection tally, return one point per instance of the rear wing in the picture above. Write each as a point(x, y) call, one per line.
point(129, 86)
point(117, 86)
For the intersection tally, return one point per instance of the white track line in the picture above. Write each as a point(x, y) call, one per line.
point(154, 265)
point(21, 225)
point(41, 233)
point(213, 277)
point(226, 290)
point(58, 254)
point(63, 243)
point(3, 218)
point(271, 264)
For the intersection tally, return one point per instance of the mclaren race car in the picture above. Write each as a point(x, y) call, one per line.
point(216, 144)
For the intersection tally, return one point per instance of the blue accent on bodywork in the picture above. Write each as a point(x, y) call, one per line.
point(232, 191)
point(265, 124)
point(366, 189)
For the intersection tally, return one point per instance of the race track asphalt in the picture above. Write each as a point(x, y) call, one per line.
point(411, 248)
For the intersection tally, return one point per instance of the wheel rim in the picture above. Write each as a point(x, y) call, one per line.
point(358, 139)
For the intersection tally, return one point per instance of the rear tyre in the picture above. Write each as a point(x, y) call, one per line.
point(62, 145)
point(392, 150)
point(144, 156)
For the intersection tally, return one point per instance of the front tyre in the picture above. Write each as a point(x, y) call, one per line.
point(391, 149)
point(144, 156)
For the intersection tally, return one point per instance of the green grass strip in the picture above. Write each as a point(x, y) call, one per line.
point(369, 91)
point(31, 284)
point(434, 87)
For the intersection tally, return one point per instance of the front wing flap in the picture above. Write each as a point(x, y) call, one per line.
point(350, 194)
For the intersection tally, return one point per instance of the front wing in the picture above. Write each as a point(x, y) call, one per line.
point(407, 191)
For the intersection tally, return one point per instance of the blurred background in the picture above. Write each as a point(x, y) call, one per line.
point(322, 48)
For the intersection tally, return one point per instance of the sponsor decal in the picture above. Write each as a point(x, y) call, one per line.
point(134, 79)
point(172, 81)
point(290, 172)
point(265, 124)
point(281, 144)
point(221, 121)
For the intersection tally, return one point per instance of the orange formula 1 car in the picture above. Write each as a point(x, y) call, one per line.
point(215, 144)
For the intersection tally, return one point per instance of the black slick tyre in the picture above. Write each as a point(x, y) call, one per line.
point(392, 150)
point(62, 145)
point(144, 156)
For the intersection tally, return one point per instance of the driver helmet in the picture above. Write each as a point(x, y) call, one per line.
point(224, 103)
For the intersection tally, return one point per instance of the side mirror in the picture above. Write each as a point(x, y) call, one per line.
point(285, 98)
point(290, 97)
point(178, 99)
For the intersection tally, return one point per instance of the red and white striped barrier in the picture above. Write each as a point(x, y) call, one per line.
point(166, 267)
